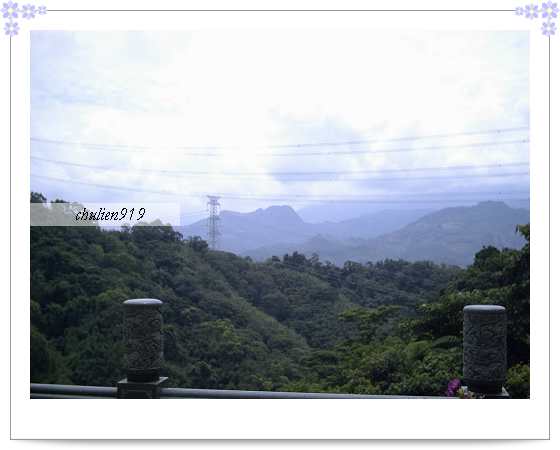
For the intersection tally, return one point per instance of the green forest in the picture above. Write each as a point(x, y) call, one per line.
point(291, 323)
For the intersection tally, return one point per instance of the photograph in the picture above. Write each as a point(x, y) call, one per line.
point(281, 213)
point(322, 207)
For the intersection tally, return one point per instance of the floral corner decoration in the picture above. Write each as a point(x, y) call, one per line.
point(12, 12)
point(548, 11)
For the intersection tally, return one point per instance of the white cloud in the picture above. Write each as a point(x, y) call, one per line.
point(255, 89)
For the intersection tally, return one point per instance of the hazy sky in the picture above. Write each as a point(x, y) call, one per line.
point(144, 97)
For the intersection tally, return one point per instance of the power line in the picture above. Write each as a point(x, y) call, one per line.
point(299, 145)
point(397, 196)
point(292, 197)
point(401, 139)
point(444, 177)
point(322, 153)
point(143, 148)
point(408, 178)
point(277, 174)
point(402, 149)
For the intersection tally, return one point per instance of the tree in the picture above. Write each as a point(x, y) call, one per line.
point(197, 244)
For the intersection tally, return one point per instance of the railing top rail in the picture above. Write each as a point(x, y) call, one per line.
point(230, 393)
point(73, 390)
point(70, 391)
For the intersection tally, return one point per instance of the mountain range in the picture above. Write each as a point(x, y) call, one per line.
point(450, 235)
point(244, 232)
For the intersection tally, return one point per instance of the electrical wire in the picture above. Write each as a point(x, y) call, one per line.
point(292, 198)
point(276, 174)
point(296, 145)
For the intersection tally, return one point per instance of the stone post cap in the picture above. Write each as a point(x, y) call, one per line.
point(143, 302)
point(488, 309)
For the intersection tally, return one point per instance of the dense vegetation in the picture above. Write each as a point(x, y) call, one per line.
point(291, 323)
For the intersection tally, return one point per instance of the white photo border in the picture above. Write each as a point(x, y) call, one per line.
point(278, 419)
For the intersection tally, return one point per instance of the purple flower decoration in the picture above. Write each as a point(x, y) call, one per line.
point(28, 11)
point(11, 28)
point(549, 11)
point(453, 387)
point(548, 28)
point(10, 10)
point(531, 11)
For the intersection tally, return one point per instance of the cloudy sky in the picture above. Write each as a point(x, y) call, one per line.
point(238, 113)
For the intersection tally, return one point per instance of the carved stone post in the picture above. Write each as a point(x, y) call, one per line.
point(485, 349)
point(143, 335)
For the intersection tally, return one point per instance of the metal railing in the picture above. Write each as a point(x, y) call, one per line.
point(39, 390)
point(484, 362)
point(69, 391)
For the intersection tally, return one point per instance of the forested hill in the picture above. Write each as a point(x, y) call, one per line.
point(291, 323)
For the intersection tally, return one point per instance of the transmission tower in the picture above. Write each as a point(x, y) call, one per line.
point(213, 206)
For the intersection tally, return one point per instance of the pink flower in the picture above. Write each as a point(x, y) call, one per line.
point(453, 387)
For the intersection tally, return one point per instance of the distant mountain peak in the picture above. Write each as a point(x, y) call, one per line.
point(492, 204)
point(279, 212)
point(319, 239)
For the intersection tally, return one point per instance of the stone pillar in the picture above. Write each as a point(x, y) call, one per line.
point(485, 349)
point(143, 333)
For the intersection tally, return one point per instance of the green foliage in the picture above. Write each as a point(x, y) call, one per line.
point(294, 323)
point(517, 382)
point(197, 244)
point(419, 354)
point(498, 277)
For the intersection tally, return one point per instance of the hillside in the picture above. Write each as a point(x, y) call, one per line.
point(230, 323)
point(287, 324)
point(450, 236)
point(454, 235)
point(369, 226)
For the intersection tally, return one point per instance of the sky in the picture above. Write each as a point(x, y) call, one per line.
point(236, 113)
